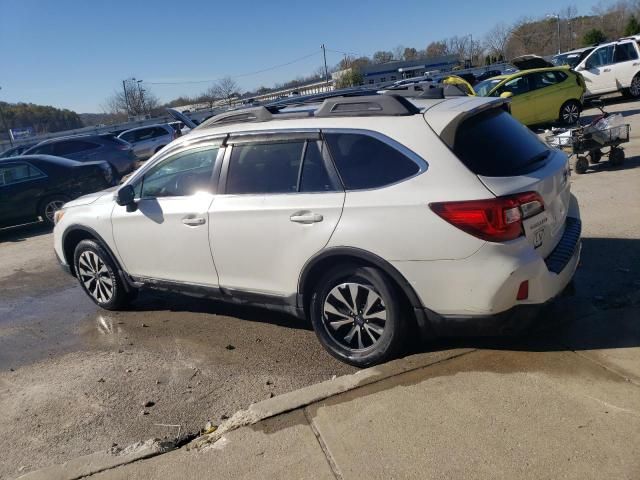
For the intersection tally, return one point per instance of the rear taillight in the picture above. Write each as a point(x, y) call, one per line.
point(494, 220)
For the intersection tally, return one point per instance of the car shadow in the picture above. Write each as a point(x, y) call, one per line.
point(20, 233)
point(607, 284)
point(154, 300)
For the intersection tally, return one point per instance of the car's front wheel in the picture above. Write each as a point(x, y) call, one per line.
point(48, 207)
point(98, 276)
point(634, 89)
point(570, 112)
point(356, 313)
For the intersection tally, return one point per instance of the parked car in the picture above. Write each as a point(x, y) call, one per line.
point(15, 151)
point(612, 67)
point(539, 95)
point(86, 148)
point(33, 186)
point(370, 215)
point(488, 74)
point(149, 139)
point(571, 58)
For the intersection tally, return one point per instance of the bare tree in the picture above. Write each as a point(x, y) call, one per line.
point(496, 40)
point(382, 56)
point(398, 52)
point(437, 49)
point(226, 89)
point(132, 100)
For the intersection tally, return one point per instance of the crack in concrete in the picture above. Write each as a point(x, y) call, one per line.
point(323, 446)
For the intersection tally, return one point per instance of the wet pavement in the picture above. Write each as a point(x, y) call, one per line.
point(74, 379)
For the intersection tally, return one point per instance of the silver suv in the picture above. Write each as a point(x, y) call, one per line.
point(150, 139)
point(372, 216)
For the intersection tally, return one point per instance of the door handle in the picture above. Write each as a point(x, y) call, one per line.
point(306, 217)
point(193, 221)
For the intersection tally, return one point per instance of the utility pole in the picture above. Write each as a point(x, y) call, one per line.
point(326, 70)
point(557, 17)
point(126, 98)
point(141, 93)
point(4, 122)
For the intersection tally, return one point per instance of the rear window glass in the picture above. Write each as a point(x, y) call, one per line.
point(495, 144)
point(365, 162)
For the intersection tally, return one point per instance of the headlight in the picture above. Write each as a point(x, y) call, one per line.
point(57, 216)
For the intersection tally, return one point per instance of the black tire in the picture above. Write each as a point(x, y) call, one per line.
point(634, 90)
point(570, 112)
point(595, 156)
point(92, 262)
point(582, 164)
point(616, 156)
point(381, 340)
point(48, 206)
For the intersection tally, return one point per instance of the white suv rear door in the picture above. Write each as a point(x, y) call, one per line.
point(626, 63)
point(280, 202)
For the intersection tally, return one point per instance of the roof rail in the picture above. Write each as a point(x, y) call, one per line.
point(373, 104)
point(253, 114)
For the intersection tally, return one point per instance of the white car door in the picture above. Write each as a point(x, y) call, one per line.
point(597, 70)
point(167, 236)
point(626, 63)
point(280, 202)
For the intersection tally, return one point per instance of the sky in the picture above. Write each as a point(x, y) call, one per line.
point(75, 53)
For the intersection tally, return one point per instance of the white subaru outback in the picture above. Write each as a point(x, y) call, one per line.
point(370, 215)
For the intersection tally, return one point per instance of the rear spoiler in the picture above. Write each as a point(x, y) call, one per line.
point(445, 117)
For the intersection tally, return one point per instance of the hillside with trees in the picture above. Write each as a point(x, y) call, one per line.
point(43, 119)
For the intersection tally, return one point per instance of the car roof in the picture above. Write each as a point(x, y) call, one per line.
point(83, 136)
point(36, 159)
point(562, 68)
point(155, 125)
point(577, 50)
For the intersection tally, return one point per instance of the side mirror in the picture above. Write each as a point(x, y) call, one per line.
point(125, 196)
point(506, 95)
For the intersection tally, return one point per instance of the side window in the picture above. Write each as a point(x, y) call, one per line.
point(159, 132)
point(128, 137)
point(182, 174)
point(517, 86)
point(264, 168)
point(72, 146)
point(144, 134)
point(540, 80)
point(601, 56)
point(625, 52)
point(314, 177)
point(366, 162)
point(46, 149)
point(560, 76)
point(18, 172)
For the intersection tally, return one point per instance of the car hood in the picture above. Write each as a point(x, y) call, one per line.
point(92, 197)
point(529, 62)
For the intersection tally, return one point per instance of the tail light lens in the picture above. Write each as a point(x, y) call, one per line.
point(494, 220)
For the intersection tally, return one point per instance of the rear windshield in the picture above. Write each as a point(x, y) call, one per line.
point(495, 144)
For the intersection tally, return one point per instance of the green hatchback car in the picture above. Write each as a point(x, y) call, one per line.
point(540, 95)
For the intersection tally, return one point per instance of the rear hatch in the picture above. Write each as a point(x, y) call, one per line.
point(509, 159)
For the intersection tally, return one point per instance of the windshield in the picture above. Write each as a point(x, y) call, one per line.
point(571, 59)
point(483, 88)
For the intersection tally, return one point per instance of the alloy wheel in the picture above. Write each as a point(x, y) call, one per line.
point(570, 113)
point(95, 276)
point(354, 315)
point(634, 89)
point(51, 208)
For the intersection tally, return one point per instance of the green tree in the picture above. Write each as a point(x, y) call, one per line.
point(632, 27)
point(350, 78)
point(593, 36)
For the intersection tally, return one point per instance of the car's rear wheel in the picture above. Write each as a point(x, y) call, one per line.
point(634, 89)
point(48, 207)
point(98, 276)
point(582, 165)
point(356, 313)
point(570, 112)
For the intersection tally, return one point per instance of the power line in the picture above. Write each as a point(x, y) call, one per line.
point(240, 75)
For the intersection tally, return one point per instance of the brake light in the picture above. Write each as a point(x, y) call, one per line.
point(494, 220)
